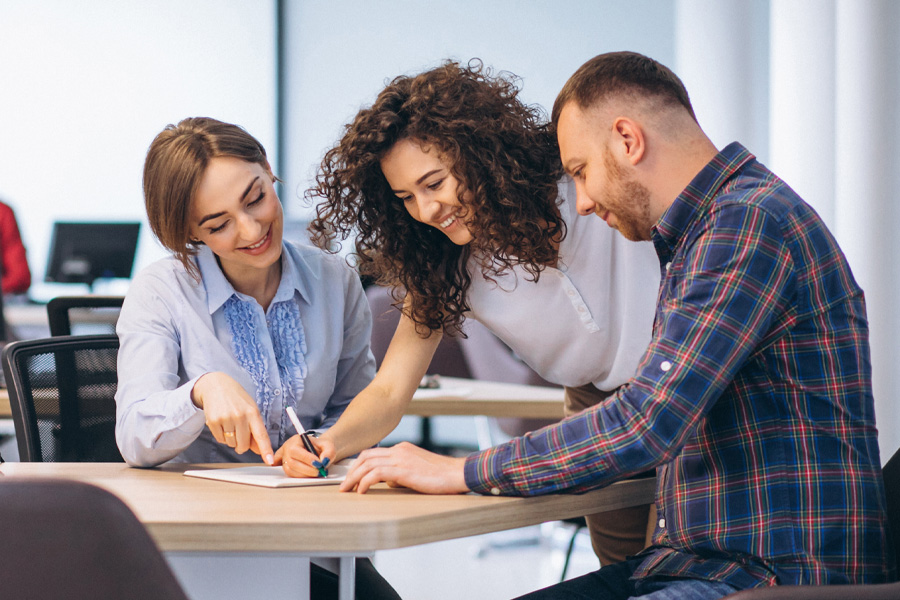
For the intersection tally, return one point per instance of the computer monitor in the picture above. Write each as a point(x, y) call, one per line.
point(85, 252)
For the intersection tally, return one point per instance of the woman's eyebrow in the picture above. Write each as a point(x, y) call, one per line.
point(208, 217)
point(427, 175)
point(219, 214)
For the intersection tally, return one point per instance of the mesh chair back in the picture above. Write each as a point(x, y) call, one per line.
point(62, 394)
point(84, 315)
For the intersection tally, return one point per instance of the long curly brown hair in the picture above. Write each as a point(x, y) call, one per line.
point(500, 150)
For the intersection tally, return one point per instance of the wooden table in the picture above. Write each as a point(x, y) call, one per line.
point(488, 398)
point(185, 514)
point(5, 409)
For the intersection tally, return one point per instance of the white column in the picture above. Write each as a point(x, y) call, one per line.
point(722, 55)
point(801, 99)
point(867, 95)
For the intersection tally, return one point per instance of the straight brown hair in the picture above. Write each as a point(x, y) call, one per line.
point(175, 163)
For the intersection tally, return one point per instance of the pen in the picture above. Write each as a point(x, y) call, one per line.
point(304, 437)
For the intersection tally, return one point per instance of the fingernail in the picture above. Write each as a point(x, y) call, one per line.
point(326, 461)
point(270, 458)
point(317, 464)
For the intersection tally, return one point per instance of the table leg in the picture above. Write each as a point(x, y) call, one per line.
point(425, 429)
point(347, 578)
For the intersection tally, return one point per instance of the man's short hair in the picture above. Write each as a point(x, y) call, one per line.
point(618, 73)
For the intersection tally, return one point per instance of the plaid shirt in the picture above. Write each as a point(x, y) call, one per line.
point(754, 399)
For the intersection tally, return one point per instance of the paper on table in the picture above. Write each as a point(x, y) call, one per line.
point(273, 477)
point(441, 392)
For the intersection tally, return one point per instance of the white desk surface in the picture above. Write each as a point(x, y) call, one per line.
point(488, 398)
point(25, 314)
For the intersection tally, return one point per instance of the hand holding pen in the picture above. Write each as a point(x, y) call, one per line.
point(295, 454)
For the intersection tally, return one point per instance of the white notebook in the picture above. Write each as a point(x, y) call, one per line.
point(272, 477)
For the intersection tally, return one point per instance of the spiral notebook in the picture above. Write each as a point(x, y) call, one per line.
point(272, 477)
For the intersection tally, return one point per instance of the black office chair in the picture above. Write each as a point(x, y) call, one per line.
point(62, 394)
point(881, 591)
point(73, 540)
point(83, 315)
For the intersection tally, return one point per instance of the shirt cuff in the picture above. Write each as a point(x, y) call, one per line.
point(483, 472)
point(186, 416)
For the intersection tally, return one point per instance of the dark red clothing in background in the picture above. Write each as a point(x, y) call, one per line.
point(16, 276)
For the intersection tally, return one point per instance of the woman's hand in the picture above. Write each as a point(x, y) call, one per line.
point(232, 415)
point(297, 462)
point(408, 466)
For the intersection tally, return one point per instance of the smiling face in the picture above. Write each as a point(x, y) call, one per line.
point(428, 189)
point(602, 185)
point(236, 212)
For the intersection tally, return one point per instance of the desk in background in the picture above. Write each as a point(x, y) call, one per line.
point(488, 398)
point(27, 321)
point(7, 429)
point(219, 520)
point(5, 409)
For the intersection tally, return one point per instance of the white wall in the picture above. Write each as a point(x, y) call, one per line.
point(85, 86)
point(722, 56)
point(340, 55)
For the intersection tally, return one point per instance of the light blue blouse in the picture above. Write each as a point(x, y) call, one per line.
point(173, 329)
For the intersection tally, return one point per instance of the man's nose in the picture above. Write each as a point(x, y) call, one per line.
point(583, 203)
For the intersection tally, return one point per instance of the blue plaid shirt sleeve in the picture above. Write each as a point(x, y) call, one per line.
point(711, 321)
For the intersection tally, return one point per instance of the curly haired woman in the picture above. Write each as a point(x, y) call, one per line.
point(454, 192)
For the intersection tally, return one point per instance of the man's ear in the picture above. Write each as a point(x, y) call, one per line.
point(628, 138)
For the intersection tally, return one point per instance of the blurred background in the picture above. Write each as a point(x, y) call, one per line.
point(810, 86)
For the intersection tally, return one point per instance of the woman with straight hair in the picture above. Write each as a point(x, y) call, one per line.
point(217, 340)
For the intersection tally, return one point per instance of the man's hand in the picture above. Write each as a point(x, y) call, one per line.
point(407, 465)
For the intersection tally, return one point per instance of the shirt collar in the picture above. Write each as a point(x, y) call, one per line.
point(219, 289)
point(694, 201)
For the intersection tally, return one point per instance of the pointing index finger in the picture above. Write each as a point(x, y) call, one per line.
point(258, 430)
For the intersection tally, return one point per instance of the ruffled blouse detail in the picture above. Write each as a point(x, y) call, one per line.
point(288, 343)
